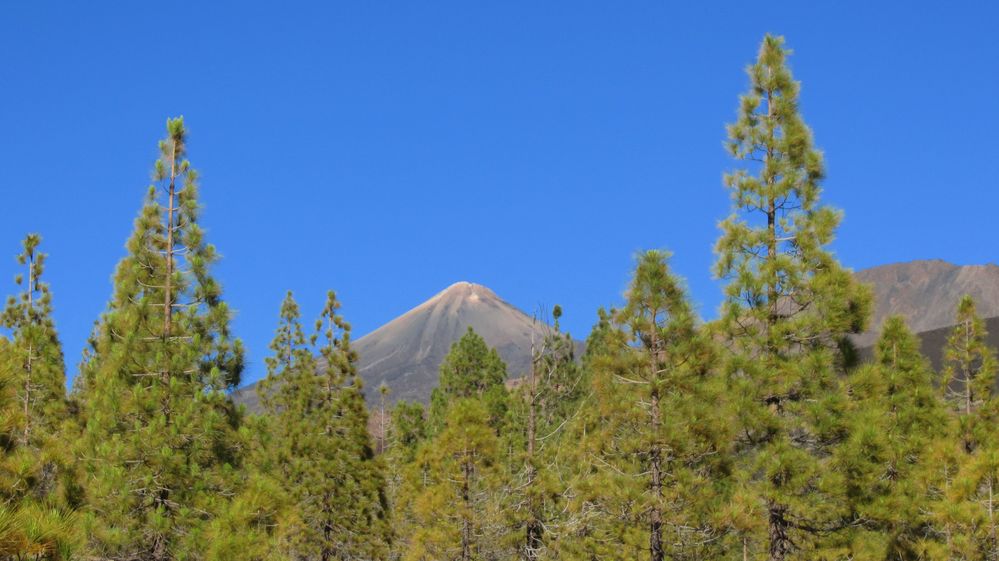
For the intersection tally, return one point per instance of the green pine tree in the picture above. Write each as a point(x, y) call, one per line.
point(649, 440)
point(543, 404)
point(322, 450)
point(788, 306)
point(161, 445)
point(896, 416)
point(470, 369)
point(406, 433)
point(964, 512)
point(970, 375)
point(37, 487)
point(452, 492)
point(36, 352)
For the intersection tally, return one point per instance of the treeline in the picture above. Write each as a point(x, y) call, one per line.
point(758, 435)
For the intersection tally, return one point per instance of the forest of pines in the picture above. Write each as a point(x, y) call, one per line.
point(759, 435)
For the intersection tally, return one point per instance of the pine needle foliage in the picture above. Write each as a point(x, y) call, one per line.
point(161, 445)
point(321, 450)
point(788, 307)
point(649, 436)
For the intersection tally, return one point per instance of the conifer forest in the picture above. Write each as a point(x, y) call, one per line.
point(759, 434)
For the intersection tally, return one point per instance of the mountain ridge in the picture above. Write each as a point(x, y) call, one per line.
point(406, 352)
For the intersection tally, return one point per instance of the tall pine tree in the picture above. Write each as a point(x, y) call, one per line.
point(543, 404)
point(37, 487)
point(160, 446)
point(970, 375)
point(965, 514)
point(896, 416)
point(452, 494)
point(788, 306)
point(321, 447)
point(650, 437)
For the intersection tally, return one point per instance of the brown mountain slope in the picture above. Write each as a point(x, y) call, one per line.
point(933, 342)
point(926, 293)
point(406, 353)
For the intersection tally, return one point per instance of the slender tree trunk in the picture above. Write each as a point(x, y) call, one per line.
point(780, 542)
point(656, 550)
point(967, 367)
point(466, 522)
point(26, 436)
point(992, 524)
point(168, 288)
point(772, 295)
point(533, 529)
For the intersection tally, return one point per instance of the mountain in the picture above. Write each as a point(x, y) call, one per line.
point(926, 293)
point(406, 353)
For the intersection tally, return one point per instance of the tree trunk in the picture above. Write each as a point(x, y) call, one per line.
point(656, 551)
point(533, 529)
point(168, 289)
point(26, 436)
point(780, 542)
point(466, 522)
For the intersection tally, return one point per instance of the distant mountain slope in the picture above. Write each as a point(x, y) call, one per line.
point(407, 352)
point(932, 342)
point(926, 293)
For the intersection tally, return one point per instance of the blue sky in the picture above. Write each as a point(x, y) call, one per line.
point(389, 149)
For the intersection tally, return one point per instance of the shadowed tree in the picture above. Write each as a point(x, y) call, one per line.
point(896, 416)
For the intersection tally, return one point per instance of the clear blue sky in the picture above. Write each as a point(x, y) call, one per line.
point(388, 149)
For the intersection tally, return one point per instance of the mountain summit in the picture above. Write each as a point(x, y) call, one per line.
point(406, 353)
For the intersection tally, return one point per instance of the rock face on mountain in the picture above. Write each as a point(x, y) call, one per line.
point(926, 293)
point(406, 353)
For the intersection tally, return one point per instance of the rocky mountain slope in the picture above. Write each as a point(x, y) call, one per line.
point(926, 293)
point(406, 353)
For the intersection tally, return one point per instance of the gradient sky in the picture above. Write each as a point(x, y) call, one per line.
point(389, 149)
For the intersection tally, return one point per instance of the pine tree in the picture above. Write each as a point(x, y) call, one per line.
point(452, 491)
point(407, 432)
point(470, 369)
point(650, 433)
point(363, 505)
point(37, 354)
point(161, 447)
point(896, 416)
point(964, 513)
point(546, 402)
point(788, 306)
point(37, 488)
point(322, 448)
point(383, 419)
point(970, 374)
